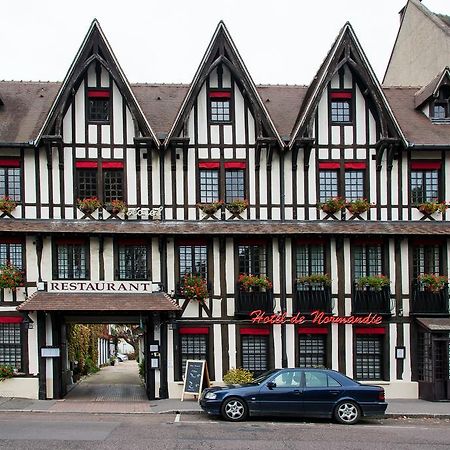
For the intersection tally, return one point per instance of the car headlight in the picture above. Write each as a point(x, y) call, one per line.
point(211, 396)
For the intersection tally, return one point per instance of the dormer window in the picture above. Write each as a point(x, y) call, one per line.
point(341, 107)
point(98, 109)
point(220, 106)
point(440, 108)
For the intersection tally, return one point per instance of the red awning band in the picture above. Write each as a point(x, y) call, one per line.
point(9, 163)
point(112, 165)
point(220, 94)
point(255, 331)
point(370, 331)
point(11, 319)
point(95, 93)
point(208, 165)
point(189, 242)
point(235, 165)
point(11, 240)
point(193, 330)
point(74, 241)
point(86, 164)
point(312, 330)
point(355, 165)
point(329, 165)
point(426, 165)
point(339, 95)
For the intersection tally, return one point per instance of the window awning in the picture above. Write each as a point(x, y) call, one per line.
point(118, 303)
point(436, 325)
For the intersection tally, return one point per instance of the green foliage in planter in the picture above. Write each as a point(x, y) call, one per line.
point(377, 282)
point(332, 205)
point(7, 205)
point(237, 206)
point(10, 276)
point(249, 281)
point(194, 287)
point(432, 282)
point(6, 371)
point(358, 206)
point(238, 376)
point(431, 207)
point(88, 205)
point(210, 208)
point(316, 278)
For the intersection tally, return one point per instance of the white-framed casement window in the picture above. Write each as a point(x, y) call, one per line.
point(369, 354)
point(425, 181)
point(11, 179)
point(255, 349)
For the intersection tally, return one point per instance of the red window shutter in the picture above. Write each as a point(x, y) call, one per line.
point(341, 95)
point(369, 330)
point(9, 163)
point(193, 330)
point(112, 165)
point(355, 165)
point(208, 165)
point(329, 165)
point(255, 331)
point(97, 93)
point(86, 164)
point(11, 319)
point(235, 165)
point(220, 94)
point(426, 165)
point(312, 330)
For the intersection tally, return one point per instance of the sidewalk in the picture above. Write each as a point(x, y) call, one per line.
point(396, 408)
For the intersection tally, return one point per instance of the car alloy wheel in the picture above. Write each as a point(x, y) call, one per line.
point(347, 413)
point(234, 409)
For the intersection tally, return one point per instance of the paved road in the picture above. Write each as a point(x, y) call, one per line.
point(168, 431)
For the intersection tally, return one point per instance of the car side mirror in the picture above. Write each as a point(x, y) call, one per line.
point(271, 385)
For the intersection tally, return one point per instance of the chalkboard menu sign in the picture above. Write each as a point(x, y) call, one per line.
point(196, 377)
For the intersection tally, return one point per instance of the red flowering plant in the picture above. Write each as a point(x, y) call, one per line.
point(210, 208)
point(249, 282)
point(116, 206)
point(7, 205)
point(332, 205)
point(10, 276)
point(358, 206)
point(430, 207)
point(88, 205)
point(432, 282)
point(194, 287)
point(6, 371)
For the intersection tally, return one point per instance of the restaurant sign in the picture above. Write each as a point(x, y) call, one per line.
point(103, 286)
point(317, 318)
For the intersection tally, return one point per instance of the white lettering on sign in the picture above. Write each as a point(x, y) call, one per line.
point(103, 286)
point(155, 213)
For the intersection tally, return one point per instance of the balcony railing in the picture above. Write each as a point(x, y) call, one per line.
point(312, 297)
point(366, 300)
point(246, 302)
point(426, 302)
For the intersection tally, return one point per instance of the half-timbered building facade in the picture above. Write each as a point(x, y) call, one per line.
point(223, 179)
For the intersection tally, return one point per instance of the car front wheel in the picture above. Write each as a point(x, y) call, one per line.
point(234, 409)
point(347, 413)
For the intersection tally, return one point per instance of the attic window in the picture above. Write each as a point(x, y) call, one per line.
point(98, 105)
point(440, 108)
point(341, 107)
point(220, 106)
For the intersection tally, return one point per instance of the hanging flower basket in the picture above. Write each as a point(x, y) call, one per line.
point(433, 283)
point(432, 207)
point(7, 205)
point(375, 282)
point(358, 206)
point(116, 206)
point(251, 282)
point(88, 205)
point(194, 287)
point(332, 205)
point(10, 277)
point(317, 278)
point(210, 208)
point(237, 206)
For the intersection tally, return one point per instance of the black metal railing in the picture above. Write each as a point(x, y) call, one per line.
point(246, 302)
point(312, 297)
point(426, 302)
point(366, 300)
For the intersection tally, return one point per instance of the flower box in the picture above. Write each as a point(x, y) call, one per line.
point(116, 206)
point(432, 207)
point(431, 282)
point(10, 277)
point(88, 205)
point(254, 283)
point(210, 208)
point(237, 206)
point(194, 287)
point(332, 205)
point(358, 206)
point(7, 205)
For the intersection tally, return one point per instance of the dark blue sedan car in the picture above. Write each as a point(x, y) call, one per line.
point(297, 392)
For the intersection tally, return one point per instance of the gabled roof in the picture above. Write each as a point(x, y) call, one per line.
point(432, 88)
point(95, 47)
point(222, 50)
point(345, 50)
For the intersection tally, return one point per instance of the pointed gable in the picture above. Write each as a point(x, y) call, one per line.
point(432, 88)
point(222, 51)
point(346, 50)
point(95, 48)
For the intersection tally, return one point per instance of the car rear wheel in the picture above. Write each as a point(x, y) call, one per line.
point(234, 409)
point(347, 413)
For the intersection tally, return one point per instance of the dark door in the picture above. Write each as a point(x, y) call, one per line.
point(282, 394)
point(441, 369)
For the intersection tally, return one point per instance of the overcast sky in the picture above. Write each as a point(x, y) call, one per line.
point(281, 41)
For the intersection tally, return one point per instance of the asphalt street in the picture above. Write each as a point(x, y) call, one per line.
point(198, 431)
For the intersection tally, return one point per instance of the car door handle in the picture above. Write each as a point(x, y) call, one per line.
point(297, 392)
point(334, 392)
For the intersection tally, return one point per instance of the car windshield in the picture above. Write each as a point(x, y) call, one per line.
point(264, 377)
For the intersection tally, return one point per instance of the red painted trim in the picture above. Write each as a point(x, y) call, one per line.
point(93, 93)
point(208, 165)
point(370, 331)
point(76, 241)
point(427, 165)
point(86, 164)
point(11, 240)
point(312, 330)
point(220, 94)
point(329, 165)
point(193, 330)
point(235, 165)
point(112, 165)
point(255, 331)
point(188, 242)
point(9, 162)
point(355, 165)
point(11, 319)
point(339, 95)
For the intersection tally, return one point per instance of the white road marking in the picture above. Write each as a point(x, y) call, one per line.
point(177, 418)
